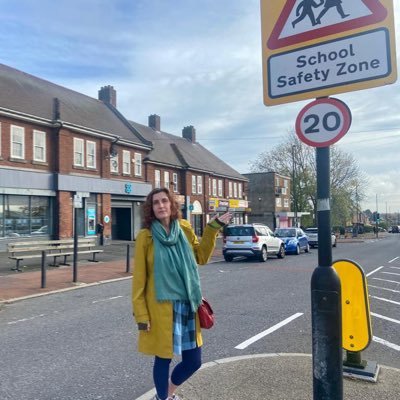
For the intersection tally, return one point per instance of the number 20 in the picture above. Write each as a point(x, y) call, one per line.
point(326, 122)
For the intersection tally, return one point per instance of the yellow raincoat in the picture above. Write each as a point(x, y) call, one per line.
point(158, 341)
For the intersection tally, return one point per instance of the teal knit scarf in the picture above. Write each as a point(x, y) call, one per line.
point(176, 275)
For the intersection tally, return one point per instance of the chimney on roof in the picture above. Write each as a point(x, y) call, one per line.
point(189, 133)
point(155, 122)
point(108, 94)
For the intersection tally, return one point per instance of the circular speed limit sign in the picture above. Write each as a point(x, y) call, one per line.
point(323, 122)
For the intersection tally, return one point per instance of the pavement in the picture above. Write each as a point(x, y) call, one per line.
point(262, 376)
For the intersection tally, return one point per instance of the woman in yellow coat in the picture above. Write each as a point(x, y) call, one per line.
point(166, 289)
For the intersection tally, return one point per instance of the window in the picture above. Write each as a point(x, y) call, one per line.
point(138, 164)
point(214, 187)
point(175, 182)
point(240, 189)
point(235, 190)
point(220, 193)
point(286, 202)
point(114, 167)
point(157, 178)
point(283, 190)
point(90, 154)
point(0, 139)
point(230, 189)
point(277, 181)
point(199, 184)
point(209, 186)
point(17, 142)
point(193, 184)
point(78, 152)
point(166, 179)
point(285, 183)
point(126, 162)
point(278, 202)
point(39, 146)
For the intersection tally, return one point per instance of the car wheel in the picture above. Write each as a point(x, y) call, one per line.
point(264, 254)
point(297, 250)
point(228, 258)
point(307, 249)
point(281, 253)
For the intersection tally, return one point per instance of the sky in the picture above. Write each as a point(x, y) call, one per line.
point(193, 63)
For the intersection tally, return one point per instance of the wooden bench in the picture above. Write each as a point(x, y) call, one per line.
point(54, 248)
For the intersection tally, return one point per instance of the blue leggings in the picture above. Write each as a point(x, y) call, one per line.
point(191, 362)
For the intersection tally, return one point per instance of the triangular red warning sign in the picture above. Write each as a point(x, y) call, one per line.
point(304, 20)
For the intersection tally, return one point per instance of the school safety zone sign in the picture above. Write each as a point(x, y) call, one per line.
point(330, 64)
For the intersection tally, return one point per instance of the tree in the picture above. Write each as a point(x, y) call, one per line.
point(297, 160)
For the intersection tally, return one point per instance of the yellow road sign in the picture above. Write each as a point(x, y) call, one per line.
point(314, 48)
point(356, 320)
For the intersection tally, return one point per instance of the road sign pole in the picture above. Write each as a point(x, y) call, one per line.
point(326, 297)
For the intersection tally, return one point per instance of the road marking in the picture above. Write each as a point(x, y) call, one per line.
point(25, 319)
point(382, 288)
point(386, 343)
point(390, 273)
point(389, 301)
point(109, 298)
point(387, 318)
point(253, 339)
point(385, 280)
point(394, 259)
point(375, 270)
point(395, 267)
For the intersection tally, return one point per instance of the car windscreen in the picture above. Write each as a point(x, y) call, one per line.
point(239, 231)
point(311, 230)
point(285, 233)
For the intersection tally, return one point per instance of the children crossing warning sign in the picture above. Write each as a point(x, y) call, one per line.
point(315, 48)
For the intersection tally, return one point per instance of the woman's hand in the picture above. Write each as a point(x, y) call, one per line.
point(224, 218)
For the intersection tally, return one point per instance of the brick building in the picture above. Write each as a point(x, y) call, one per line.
point(56, 144)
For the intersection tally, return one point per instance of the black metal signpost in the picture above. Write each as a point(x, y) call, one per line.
point(325, 297)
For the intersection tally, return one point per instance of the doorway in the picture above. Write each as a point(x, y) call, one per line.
point(121, 223)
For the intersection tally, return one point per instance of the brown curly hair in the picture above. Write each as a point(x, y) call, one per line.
point(148, 213)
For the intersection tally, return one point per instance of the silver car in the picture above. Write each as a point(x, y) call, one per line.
point(312, 234)
point(251, 240)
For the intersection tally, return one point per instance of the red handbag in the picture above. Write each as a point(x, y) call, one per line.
point(206, 314)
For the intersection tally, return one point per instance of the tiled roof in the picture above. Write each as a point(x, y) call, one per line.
point(179, 152)
point(27, 94)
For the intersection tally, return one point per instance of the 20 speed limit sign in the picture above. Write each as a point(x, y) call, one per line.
point(323, 122)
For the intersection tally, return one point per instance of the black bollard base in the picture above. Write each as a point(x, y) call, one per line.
point(369, 373)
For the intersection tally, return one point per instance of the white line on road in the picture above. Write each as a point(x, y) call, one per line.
point(387, 318)
point(395, 267)
point(25, 319)
point(391, 273)
point(383, 299)
point(383, 288)
point(386, 343)
point(394, 259)
point(375, 270)
point(253, 339)
point(385, 280)
point(110, 298)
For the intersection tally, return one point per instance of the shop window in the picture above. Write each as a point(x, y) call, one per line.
point(39, 146)
point(25, 216)
point(17, 142)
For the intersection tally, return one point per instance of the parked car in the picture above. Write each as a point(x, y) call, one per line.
point(312, 234)
point(251, 240)
point(395, 229)
point(43, 230)
point(294, 238)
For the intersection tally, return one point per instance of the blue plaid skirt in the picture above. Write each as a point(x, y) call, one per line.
point(184, 329)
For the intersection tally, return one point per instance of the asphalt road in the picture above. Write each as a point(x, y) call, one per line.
point(81, 344)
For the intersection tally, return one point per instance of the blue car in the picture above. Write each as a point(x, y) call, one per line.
point(294, 238)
